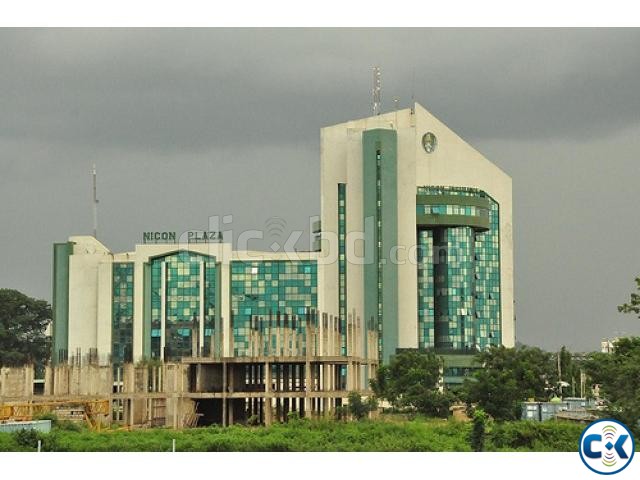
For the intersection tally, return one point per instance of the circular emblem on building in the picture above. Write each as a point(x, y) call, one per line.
point(606, 446)
point(429, 142)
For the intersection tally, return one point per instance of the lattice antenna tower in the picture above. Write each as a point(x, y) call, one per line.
point(94, 178)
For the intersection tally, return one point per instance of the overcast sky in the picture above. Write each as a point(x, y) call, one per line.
point(184, 124)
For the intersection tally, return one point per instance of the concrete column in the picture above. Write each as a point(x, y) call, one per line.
point(308, 387)
point(110, 414)
point(131, 412)
point(201, 314)
point(278, 409)
point(125, 411)
point(225, 386)
point(321, 334)
point(286, 376)
point(232, 380)
point(267, 389)
point(163, 308)
point(286, 351)
point(174, 404)
point(278, 330)
point(359, 337)
point(349, 335)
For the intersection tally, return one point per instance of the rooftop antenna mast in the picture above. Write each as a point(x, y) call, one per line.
point(94, 176)
point(413, 91)
point(377, 90)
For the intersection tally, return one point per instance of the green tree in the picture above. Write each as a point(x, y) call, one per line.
point(570, 369)
point(358, 408)
point(634, 303)
point(508, 377)
point(23, 321)
point(618, 374)
point(410, 380)
point(478, 432)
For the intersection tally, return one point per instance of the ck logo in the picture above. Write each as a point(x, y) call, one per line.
point(606, 446)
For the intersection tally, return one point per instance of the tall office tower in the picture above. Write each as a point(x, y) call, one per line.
point(416, 235)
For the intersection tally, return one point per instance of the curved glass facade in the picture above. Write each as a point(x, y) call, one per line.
point(458, 269)
point(179, 297)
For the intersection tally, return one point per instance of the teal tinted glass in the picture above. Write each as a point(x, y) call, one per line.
point(122, 313)
point(263, 289)
point(459, 275)
point(190, 288)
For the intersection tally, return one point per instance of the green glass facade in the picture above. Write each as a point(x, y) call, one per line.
point(487, 300)
point(342, 262)
point(184, 273)
point(122, 314)
point(60, 306)
point(426, 305)
point(380, 204)
point(458, 269)
point(262, 290)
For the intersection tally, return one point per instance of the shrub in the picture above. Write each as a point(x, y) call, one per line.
point(390, 433)
point(547, 436)
point(48, 416)
point(477, 436)
point(293, 417)
point(27, 438)
point(359, 409)
point(253, 420)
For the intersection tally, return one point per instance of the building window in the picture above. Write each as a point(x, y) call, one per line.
point(279, 289)
point(342, 264)
point(122, 313)
point(183, 303)
point(465, 281)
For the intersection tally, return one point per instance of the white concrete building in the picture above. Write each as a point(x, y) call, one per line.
point(415, 239)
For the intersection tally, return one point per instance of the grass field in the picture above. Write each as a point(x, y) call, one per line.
point(387, 434)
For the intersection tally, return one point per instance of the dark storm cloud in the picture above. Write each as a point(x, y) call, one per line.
point(194, 89)
point(185, 124)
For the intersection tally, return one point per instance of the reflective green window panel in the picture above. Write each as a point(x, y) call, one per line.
point(454, 288)
point(182, 302)
point(488, 281)
point(342, 263)
point(459, 276)
point(261, 290)
point(122, 313)
point(425, 289)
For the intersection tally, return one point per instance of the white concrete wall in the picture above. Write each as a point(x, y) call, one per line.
point(88, 253)
point(104, 308)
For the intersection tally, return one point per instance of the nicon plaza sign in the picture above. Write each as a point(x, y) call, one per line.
point(192, 236)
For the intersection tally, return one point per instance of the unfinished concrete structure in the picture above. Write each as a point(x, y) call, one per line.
point(294, 365)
